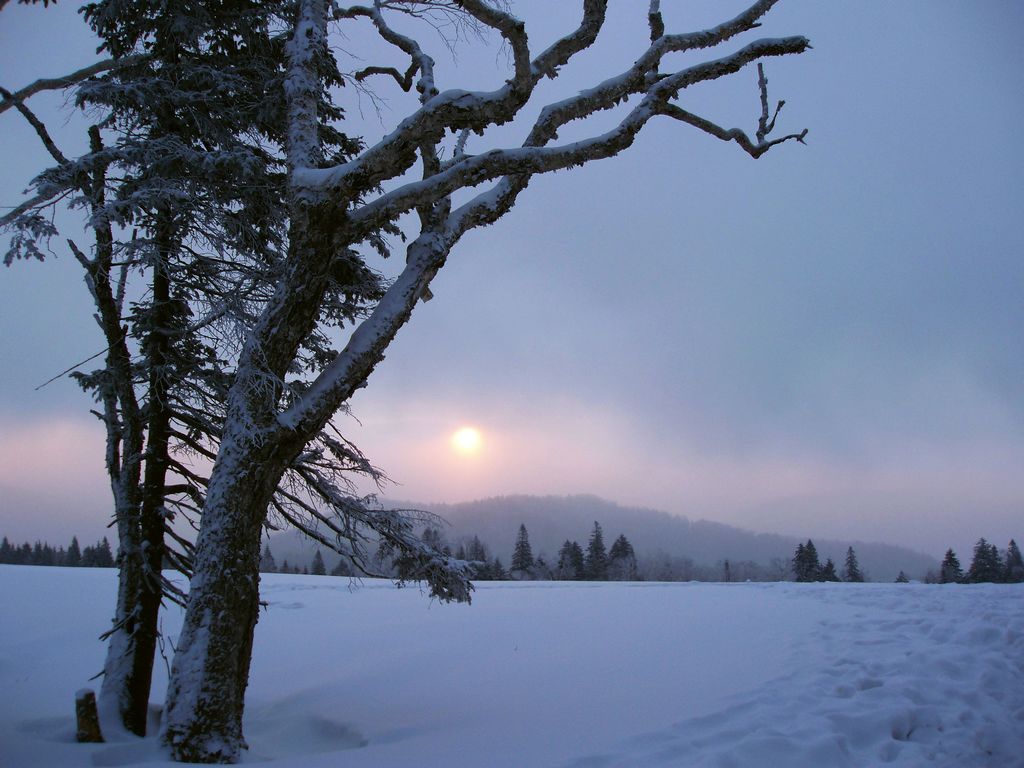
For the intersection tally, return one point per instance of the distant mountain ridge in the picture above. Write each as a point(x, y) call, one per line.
point(551, 520)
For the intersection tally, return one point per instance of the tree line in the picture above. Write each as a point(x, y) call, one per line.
point(807, 567)
point(988, 566)
point(41, 553)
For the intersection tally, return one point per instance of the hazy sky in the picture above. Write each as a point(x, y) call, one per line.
point(824, 342)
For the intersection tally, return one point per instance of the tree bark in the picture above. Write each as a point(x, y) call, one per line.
point(206, 695)
point(205, 699)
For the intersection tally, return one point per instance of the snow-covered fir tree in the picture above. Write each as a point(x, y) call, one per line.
point(571, 565)
point(828, 572)
point(851, 569)
point(1013, 567)
point(986, 565)
point(596, 562)
point(806, 566)
point(622, 560)
point(522, 555)
point(267, 563)
point(318, 568)
point(950, 571)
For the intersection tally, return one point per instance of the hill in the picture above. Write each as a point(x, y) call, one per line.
point(551, 520)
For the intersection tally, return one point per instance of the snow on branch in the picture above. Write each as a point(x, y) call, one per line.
point(58, 83)
point(301, 87)
point(754, 148)
point(511, 168)
point(540, 159)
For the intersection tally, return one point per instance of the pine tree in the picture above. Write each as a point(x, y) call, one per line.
point(476, 551)
point(6, 552)
point(828, 572)
point(985, 565)
point(851, 571)
point(318, 569)
point(1013, 569)
point(622, 560)
point(564, 567)
point(578, 560)
point(432, 538)
point(498, 570)
point(73, 559)
point(902, 578)
point(806, 566)
point(522, 555)
point(596, 563)
point(267, 564)
point(950, 571)
point(342, 568)
point(104, 557)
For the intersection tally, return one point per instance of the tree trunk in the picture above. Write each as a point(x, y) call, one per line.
point(128, 671)
point(206, 696)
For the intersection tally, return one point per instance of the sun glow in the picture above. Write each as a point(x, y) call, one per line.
point(467, 441)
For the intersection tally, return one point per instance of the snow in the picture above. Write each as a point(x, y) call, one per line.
point(561, 674)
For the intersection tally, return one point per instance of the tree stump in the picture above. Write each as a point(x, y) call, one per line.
point(88, 719)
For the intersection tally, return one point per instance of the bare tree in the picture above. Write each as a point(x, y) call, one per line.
point(334, 210)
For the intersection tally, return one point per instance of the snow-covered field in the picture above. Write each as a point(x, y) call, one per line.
point(562, 674)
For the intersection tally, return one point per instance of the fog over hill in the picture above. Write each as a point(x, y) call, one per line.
point(551, 520)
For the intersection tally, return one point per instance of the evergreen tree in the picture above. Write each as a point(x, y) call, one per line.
point(498, 570)
point(851, 571)
point(902, 578)
point(342, 568)
point(6, 552)
point(596, 563)
point(578, 560)
point(985, 565)
point(476, 551)
point(522, 555)
point(73, 559)
point(828, 572)
point(104, 557)
point(542, 570)
point(432, 538)
point(950, 571)
point(285, 568)
point(1013, 570)
point(267, 564)
point(318, 569)
point(806, 566)
point(622, 560)
point(564, 568)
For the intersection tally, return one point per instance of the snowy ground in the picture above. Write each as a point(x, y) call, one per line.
point(561, 674)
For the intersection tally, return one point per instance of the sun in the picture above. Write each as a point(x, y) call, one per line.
point(467, 441)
